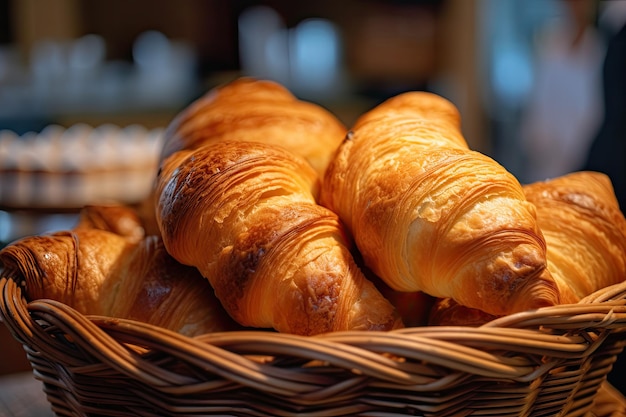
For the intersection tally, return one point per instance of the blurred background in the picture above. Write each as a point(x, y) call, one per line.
point(527, 75)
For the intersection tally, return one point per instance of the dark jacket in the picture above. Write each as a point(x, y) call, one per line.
point(608, 150)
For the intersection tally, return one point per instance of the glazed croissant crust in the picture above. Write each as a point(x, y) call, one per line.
point(248, 109)
point(116, 218)
point(585, 232)
point(244, 214)
point(429, 214)
point(100, 272)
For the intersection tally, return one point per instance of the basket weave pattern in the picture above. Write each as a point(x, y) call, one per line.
point(549, 362)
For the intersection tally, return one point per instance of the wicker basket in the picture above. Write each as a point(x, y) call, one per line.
point(550, 362)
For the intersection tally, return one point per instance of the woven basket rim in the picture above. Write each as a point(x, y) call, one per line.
point(548, 330)
point(565, 341)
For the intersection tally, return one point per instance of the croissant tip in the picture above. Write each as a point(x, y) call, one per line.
point(538, 293)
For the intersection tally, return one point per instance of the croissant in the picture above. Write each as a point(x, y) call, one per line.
point(119, 219)
point(248, 109)
point(585, 234)
point(414, 308)
point(429, 214)
point(102, 273)
point(244, 214)
point(447, 312)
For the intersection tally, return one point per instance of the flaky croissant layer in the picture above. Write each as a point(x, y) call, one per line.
point(585, 231)
point(98, 272)
point(253, 110)
point(429, 214)
point(244, 214)
point(585, 234)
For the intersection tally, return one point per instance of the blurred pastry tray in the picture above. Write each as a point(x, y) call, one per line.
point(67, 168)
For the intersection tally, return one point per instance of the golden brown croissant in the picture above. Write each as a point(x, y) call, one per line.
point(585, 234)
point(119, 219)
point(245, 215)
point(102, 273)
point(260, 111)
point(429, 214)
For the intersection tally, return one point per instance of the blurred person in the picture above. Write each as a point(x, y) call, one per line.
point(565, 104)
point(608, 150)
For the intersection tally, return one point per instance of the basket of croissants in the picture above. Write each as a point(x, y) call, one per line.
point(287, 265)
